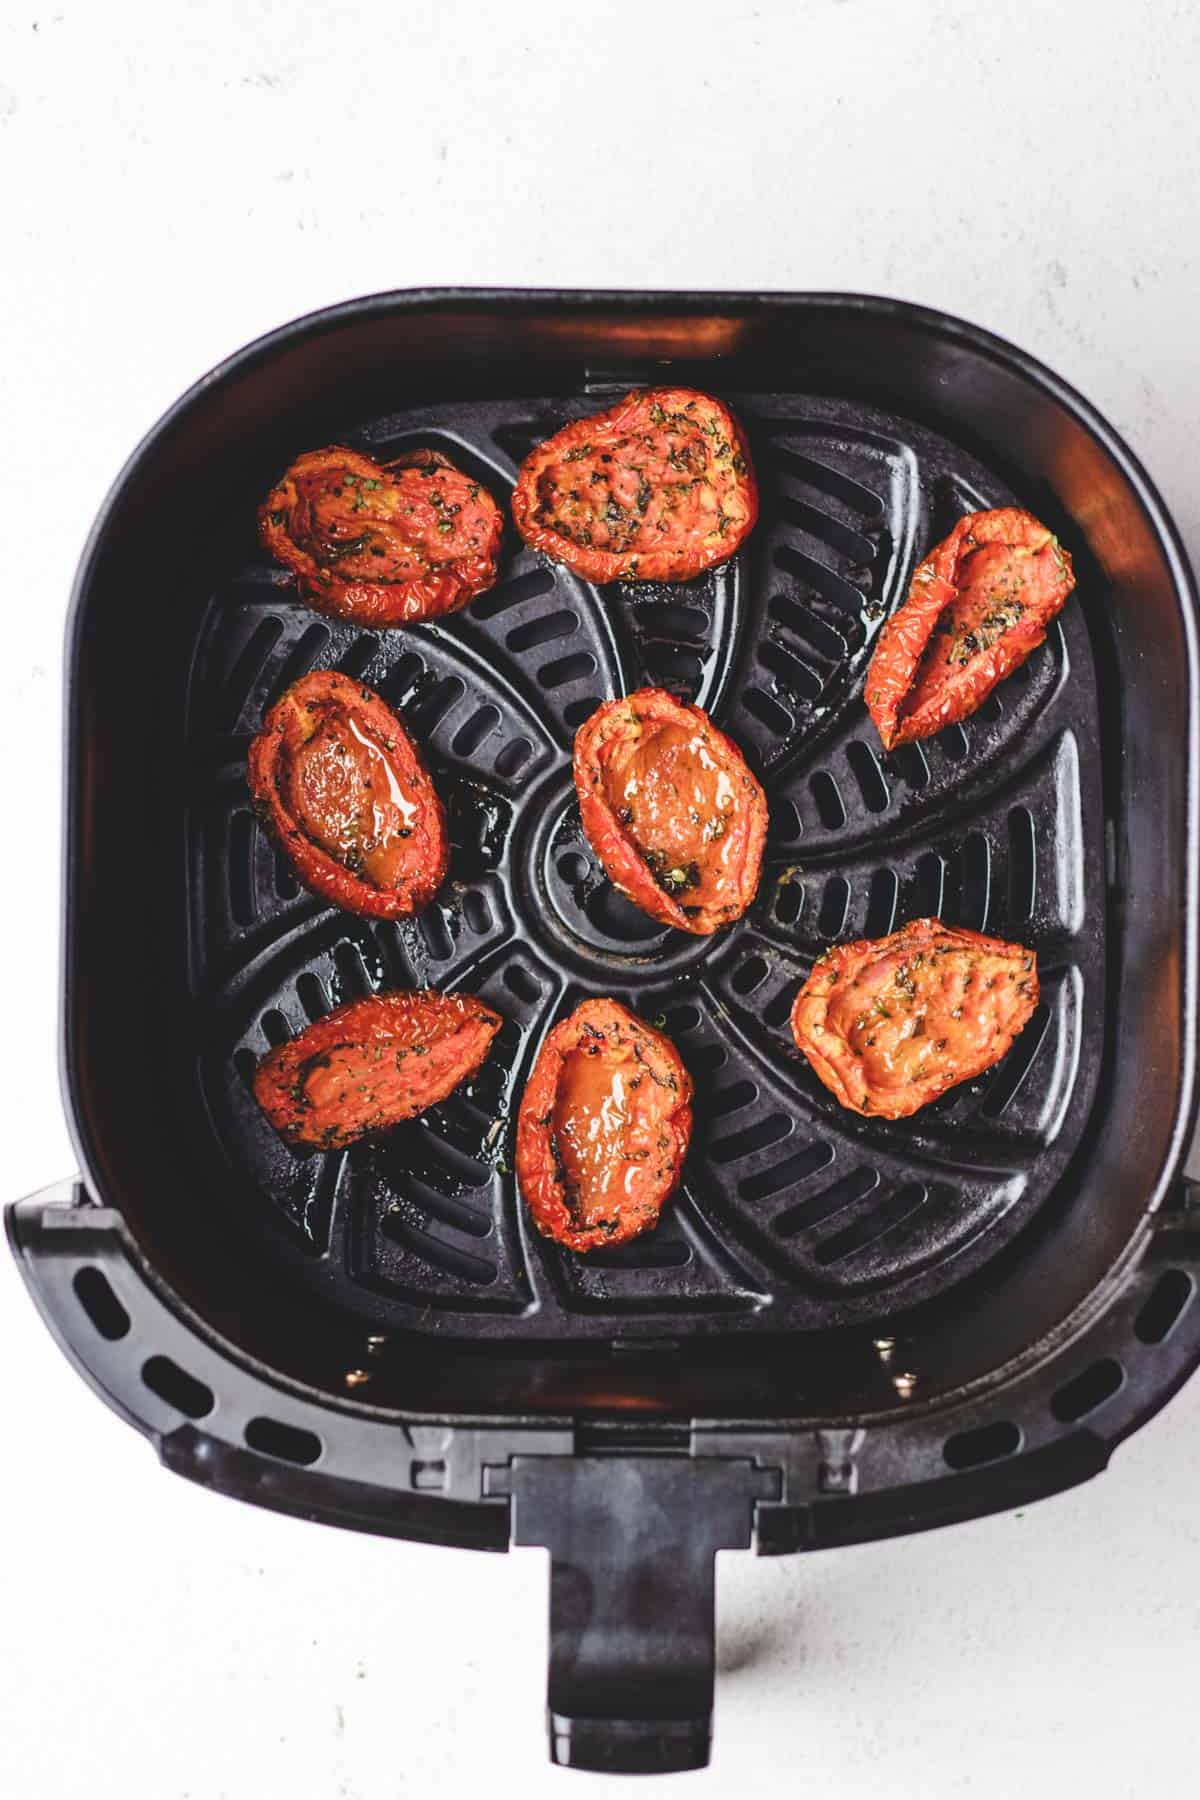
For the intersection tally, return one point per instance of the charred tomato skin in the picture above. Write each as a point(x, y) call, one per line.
point(645, 1119)
point(371, 1064)
point(328, 710)
point(890, 1023)
point(718, 858)
point(657, 488)
point(382, 543)
point(978, 604)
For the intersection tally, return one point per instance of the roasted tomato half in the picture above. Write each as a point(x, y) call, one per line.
point(343, 786)
point(371, 1064)
point(383, 543)
point(603, 1128)
point(890, 1023)
point(978, 604)
point(657, 488)
point(671, 810)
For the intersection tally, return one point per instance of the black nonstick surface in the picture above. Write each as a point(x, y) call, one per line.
point(793, 1213)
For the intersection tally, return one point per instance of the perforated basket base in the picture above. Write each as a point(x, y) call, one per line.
point(793, 1214)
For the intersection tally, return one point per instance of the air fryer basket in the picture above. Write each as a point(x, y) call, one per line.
point(841, 1328)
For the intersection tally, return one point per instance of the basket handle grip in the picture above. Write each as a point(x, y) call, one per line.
point(632, 1541)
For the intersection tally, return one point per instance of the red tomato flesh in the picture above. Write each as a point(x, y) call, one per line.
point(671, 810)
point(977, 605)
point(343, 786)
point(603, 1128)
point(657, 488)
point(890, 1023)
point(383, 544)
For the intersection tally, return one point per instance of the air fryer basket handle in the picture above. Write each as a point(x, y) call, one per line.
point(632, 1541)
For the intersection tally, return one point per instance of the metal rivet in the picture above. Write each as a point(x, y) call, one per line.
point(375, 1345)
point(356, 1377)
point(904, 1385)
point(885, 1346)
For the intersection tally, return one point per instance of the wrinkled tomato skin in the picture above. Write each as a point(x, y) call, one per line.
point(343, 787)
point(890, 1023)
point(978, 605)
point(382, 543)
point(658, 488)
point(371, 1064)
point(671, 810)
point(603, 1128)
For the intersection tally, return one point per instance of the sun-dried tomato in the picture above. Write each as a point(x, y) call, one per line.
point(671, 809)
point(890, 1023)
point(657, 488)
point(978, 604)
point(342, 785)
point(372, 1063)
point(603, 1128)
point(383, 543)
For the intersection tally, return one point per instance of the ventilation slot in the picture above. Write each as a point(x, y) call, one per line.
point(579, 710)
point(399, 686)
point(882, 896)
point(811, 628)
point(243, 841)
point(768, 712)
point(477, 912)
point(312, 997)
point(953, 742)
point(514, 756)
point(821, 579)
point(903, 1203)
point(819, 1207)
point(1088, 1391)
point(1022, 866)
point(832, 482)
point(908, 762)
point(430, 708)
point(986, 1444)
point(567, 668)
point(1017, 1064)
point(788, 1173)
point(353, 980)
point(830, 530)
point(835, 904)
point(830, 810)
point(975, 898)
point(275, 1028)
point(359, 656)
point(683, 1018)
point(435, 1251)
point(732, 1099)
point(751, 975)
point(300, 659)
point(647, 1253)
point(478, 727)
point(779, 1005)
point(789, 901)
point(287, 1443)
point(548, 628)
point(1162, 1311)
point(795, 675)
point(94, 1292)
point(786, 824)
point(179, 1389)
point(869, 776)
point(286, 885)
point(522, 984)
point(755, 1137)
point(248, 668)
point(929, 886)
point(512, 593)
point(436, 933)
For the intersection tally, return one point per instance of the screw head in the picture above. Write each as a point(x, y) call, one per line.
point(356, 1377)
point(905, 1385)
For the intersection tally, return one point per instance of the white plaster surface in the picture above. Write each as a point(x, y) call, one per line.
point(175, 179)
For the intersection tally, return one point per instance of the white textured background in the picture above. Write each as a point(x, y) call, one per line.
point(175, 179)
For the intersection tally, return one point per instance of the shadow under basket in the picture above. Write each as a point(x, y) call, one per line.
point(842, 1329)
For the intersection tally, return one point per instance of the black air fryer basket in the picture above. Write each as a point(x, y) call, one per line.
point(842, 1328)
